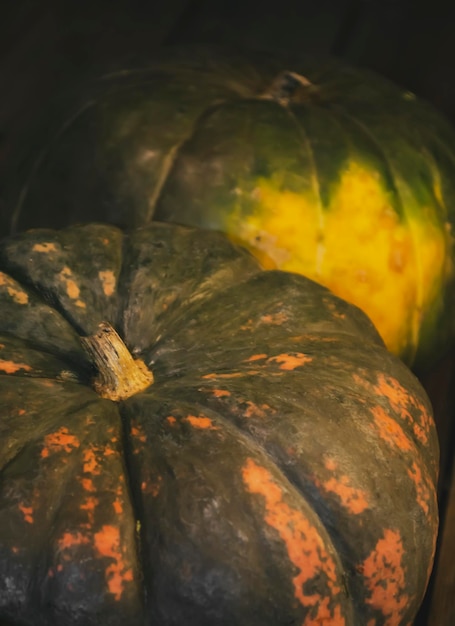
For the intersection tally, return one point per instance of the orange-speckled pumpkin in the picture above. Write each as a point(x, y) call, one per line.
point(186, 439)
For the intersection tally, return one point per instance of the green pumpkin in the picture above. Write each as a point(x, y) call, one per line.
point(318, 168)
point(247, 453)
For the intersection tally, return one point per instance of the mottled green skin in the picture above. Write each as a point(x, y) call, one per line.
point(261, 416)
point(185, 137)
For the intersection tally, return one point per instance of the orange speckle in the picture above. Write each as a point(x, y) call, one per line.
point(10, 367)
point(304, 544)
point(253, 410)
point(389, 430)
point(201, 422)
point(107, 543)
point(170, 419)
point(72, 289)
point(28, 513)
point(247, 326)
point(255, 357)
point(424, 488)
point(402, 402)
point(13, 289)
point(229, 375)
point(87, 484)
point(290, 361)
point(138, 434)
point(220, 393)
point(385, 578)
point(91, 465)
point(118, 506)
point(71, 540)
point(45, 247)
point(60, 441)
point(153, 487)
point(354, 500)
point(90, 505)
point(275, 319)
point(108, 282)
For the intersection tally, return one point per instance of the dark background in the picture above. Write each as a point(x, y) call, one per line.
point(47, 45)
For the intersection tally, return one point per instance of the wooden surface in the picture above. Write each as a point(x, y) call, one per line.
point(46, 44)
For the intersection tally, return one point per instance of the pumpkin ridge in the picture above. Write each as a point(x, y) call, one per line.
point(174, 154)
point(306, 144)
point(400, 205)
point(222, 428)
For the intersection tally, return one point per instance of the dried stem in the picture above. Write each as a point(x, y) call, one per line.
point(119, 375)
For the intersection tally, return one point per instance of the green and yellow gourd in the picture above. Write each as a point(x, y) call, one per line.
point(317, 167)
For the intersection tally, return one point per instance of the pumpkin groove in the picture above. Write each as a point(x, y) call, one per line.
point(267, 476)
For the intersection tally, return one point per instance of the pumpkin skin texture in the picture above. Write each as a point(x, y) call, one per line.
point(344, 178)
point(281, 468)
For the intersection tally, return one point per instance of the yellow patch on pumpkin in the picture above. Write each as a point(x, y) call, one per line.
point(357, 246)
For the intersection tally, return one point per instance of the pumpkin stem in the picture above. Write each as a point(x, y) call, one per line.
point(288, 87)
point(119, 375)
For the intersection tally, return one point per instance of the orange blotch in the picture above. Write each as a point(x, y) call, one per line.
point(402, 402)
point(118, 506)
point(72, 540)
point(60, 441)
point(253, 410)
point(14, 290)
point(255, 357)
point(87, 484)
point(385, 578)
point(10, 367)
point(274, 319)
point(45, 247)
point(108, 282)
point(89, 506)
point(171, 420)
point(220, 393)
point(230, 375)
point(426, 494)
point(27, 512)
point(304, 545)
point(153, 487)
point(389, 430)
point(91, 464)
point(138, 434)
point(354, 500)
point(247, 326)
point(118, 502)
point(201, 422)
point(290, 361)
point(107, 543)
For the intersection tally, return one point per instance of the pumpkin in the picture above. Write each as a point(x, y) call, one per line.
point(319, 168)
point(187, 439)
